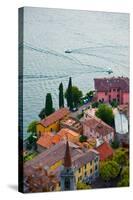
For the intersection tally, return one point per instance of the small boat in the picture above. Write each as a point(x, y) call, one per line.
point(109, 71)
point(68, 51)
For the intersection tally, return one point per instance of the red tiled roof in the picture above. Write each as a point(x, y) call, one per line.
point(57, 115)
point(66, 132)
point(57, 152)
point(98, 125)
point(45, 140)
point(105, 84)
point(105, 151)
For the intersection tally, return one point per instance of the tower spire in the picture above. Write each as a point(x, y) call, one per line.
point(67, 158)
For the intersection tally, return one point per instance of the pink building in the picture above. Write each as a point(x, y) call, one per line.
point(112, 89)
point(94, 127)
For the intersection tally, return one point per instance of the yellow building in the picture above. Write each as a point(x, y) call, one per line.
point(84, 162)
point(52, 122)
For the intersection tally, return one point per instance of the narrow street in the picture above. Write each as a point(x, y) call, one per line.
point(79, 111)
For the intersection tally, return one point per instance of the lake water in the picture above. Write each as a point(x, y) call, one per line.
point(97, 40)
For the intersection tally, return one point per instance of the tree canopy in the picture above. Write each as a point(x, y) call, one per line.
point(109, 170)
point(42, 114)
point(61, 96)
point(82, 186)
point(49, 105)
point(120, 157)
point(68, 94)
point(124, 177)
point(105, 113)
point(76, 95)
point(32, 127)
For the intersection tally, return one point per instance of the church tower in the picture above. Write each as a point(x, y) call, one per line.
point(67, 174)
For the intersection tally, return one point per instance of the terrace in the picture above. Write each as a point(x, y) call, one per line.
point(72, 124)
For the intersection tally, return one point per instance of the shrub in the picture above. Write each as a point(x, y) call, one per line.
point(83, 138)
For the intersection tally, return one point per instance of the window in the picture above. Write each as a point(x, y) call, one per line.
point(67, 183)
point(118, 89)
point(106, 93)
point(114, 90)
point(85, 173)
point(96, 167)
point(102, 99)
point(91, 162)
point(90, 171)
point(79, 170)
point(85, 166)
point(51, 129)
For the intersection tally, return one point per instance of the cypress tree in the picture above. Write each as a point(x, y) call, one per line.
point(49, 105)
point(61, 96)
point(69, 94)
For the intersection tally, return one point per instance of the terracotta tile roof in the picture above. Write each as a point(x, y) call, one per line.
point(57, 115)
point(98, 125)
point(65, 132)
point(56, 139)
point(48, 139)
point(45, 140)
point(104, 84)
point(57, 152)
point(105, 151)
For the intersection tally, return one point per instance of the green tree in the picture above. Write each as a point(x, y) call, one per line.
point(83, 138)
point(95, 104)
point(109, 170)
point(105, 113)
point(76, 95)
point(61, 96)
point(115, 144)
point(42, 114)
point(124, 177)
point(32, 127)
point(68, 94)
point(120, 157)
point(82, 186)
point(49, 105)
point(114, 104)
point(31, 140)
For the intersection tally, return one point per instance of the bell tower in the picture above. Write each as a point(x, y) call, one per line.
point(67, 174)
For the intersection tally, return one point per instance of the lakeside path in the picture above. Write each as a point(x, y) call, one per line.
point(80, 109)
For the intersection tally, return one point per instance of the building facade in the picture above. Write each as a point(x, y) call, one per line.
point(95, 128)
point(85, 162)
point(112, 89)
point(52, 122)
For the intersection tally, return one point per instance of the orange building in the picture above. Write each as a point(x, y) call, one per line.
point(52, 122)
point(48, 139)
